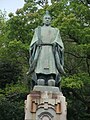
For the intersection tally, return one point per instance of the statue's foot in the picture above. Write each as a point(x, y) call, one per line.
point(40, 82)
point(51, 82)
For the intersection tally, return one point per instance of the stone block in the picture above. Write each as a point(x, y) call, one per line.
point(44, 104)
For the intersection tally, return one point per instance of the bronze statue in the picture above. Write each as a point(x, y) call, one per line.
point(46, 54)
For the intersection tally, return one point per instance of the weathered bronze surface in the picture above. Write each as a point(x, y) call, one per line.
point(46, 53)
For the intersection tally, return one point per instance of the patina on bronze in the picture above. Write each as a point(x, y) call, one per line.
point(46, 54)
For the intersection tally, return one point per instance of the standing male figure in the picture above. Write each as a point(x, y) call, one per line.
point(46, 54)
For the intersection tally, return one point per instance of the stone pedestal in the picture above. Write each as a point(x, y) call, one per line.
point(45, 103)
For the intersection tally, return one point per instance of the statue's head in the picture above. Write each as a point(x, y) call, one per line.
point(47, 19)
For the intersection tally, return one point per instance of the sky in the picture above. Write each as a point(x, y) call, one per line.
point(11, 5)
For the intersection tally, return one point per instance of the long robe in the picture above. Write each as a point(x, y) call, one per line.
point(45, 63)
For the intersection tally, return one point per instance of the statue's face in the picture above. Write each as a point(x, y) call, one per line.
point(47, 20)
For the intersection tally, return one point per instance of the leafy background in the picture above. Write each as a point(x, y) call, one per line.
point(72, 18)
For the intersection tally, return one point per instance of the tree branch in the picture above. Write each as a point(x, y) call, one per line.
point(75, 55)
point(88, 66)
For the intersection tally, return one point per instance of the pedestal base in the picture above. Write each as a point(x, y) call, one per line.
point(45, 103)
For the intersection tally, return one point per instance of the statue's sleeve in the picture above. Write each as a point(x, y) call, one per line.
point(58, 50)
point(60, 47)
point(58, 40)
point(32, 48)
point(34, 39)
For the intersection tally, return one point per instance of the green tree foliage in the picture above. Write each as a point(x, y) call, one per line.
point(72, 18)
point(12, 102)
point(13, 67)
